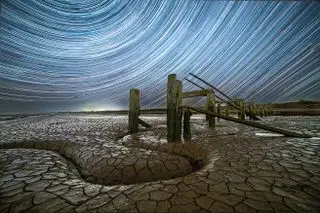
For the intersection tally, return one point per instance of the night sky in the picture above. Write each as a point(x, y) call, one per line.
point(73, 55)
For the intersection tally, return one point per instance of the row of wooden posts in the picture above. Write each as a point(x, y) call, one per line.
point(246, 110)
point(175, 109)
point(176, 112)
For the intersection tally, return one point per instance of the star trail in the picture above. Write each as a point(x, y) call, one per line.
point(72, 55)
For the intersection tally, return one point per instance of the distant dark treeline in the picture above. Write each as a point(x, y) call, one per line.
point(300, 104)
point(303, 107)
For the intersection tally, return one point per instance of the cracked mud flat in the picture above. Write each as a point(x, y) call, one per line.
point(87, 163)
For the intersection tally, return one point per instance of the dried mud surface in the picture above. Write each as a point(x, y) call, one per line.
point(88, 163)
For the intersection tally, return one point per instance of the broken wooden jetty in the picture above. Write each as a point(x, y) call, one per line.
point(176, 111)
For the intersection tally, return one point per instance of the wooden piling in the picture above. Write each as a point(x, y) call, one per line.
point(243, 110)
point(174, 111)
point(218, 111)
point(237, 102)
point(186, 124)
point(134, 110)
point(265, 113)
point(227, 110)
point(171, 106)
point(260, 110)
point(179, 109)
point(251, 112)
point(211, 108)
point(254, 110)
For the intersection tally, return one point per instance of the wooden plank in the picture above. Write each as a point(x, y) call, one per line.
point(234, 105)
point(224, 102)
point(134, 108)
point(143, 123)
point(219, 98)
point(186, 124)
point(195, 93)
point(251, 123)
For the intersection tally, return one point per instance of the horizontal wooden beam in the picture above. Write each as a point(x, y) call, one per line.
point(223, 102)
point(194, 93)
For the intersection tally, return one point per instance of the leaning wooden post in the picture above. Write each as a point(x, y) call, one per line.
point(134, 110)
point(177, 132)
point(186, 124)
point(210, 107)
point(219, 111)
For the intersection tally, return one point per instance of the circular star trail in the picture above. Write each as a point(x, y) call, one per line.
point(68, 55)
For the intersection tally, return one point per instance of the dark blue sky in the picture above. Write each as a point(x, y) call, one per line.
point(69, 55)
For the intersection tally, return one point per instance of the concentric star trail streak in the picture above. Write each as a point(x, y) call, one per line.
point(69, 55)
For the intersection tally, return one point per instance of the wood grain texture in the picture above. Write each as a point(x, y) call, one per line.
point(211, 108)
point(134, 108)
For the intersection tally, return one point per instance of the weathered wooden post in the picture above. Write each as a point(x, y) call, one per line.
point(265, 111)
point(260, 111)
point(174, 111)
point(237, 102)
point(271, 111)
point(251, 112)
point(186, 124)
point(242, 110)
point(227, 110)
point(134, 110)
point(219, 110)
point(211, 107)
point(171, 106)
point(178, 110)
point(247, 110)
point(254, 110)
